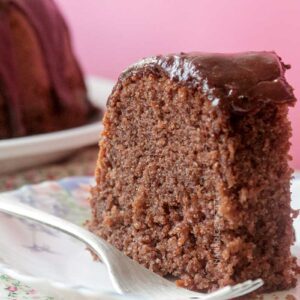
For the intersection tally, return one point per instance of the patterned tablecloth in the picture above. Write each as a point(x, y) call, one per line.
point(80, 164)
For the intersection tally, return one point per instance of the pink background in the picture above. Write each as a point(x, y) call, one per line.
point(111, 34)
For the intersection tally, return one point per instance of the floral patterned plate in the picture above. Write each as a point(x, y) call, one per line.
point(56, 264)
point(50, 261)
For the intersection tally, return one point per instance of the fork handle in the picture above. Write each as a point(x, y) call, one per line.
point(95, 243)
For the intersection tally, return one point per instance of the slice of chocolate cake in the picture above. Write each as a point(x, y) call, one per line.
point(193, 177)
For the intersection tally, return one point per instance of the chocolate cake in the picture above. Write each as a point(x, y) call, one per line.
point(193, 178)
point(41, 84)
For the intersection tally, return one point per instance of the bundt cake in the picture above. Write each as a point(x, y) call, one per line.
point(192, 178)
point(41, 84)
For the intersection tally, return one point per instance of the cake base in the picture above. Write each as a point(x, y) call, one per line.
point(192, 190)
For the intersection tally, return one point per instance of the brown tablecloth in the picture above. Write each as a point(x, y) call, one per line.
point(82, 163)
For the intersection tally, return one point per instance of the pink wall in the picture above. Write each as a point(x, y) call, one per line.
point(111, 34)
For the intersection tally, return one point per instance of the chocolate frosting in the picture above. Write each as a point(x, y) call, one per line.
point(50, 30)
point(244, 82)
point(9, 90)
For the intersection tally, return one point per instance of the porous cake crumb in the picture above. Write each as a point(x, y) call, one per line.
point(193, 178)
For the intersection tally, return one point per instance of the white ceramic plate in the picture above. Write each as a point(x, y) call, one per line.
point(29, 151)
point(55, 263)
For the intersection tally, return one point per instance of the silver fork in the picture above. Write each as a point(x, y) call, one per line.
point(127, 276)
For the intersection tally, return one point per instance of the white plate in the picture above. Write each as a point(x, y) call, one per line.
point(55, 263)
point(29, 151)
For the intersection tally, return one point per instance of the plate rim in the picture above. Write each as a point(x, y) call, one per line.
point(52, 287)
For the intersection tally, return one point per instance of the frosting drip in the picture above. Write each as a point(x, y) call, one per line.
point(50, 29)
point(9, 89)
point(242, 81)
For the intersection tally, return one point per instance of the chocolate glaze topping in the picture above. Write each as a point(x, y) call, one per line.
point(244, 82)
point(50, 29)
point(8, 87)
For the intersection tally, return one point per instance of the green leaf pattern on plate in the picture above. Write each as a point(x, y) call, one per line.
point(11, 289)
